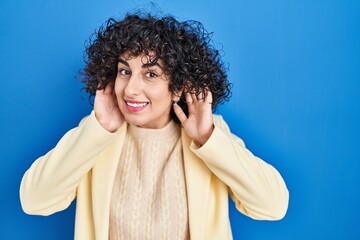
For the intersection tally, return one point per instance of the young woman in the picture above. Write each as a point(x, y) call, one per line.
point(151, 161)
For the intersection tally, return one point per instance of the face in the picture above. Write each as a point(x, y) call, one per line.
point(142, 91)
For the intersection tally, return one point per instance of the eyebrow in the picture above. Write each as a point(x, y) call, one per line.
point(146, 65)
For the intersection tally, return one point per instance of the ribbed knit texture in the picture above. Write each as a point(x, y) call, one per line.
point(149, 194)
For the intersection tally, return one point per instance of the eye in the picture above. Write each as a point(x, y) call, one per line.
point(124, 72)
point(151, 75)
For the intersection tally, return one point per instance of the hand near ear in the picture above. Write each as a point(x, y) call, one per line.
point(106, 108)
point(199, 125)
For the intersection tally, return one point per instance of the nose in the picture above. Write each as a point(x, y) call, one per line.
point(133, 86)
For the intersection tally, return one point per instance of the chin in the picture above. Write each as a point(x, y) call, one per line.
point(134, 121)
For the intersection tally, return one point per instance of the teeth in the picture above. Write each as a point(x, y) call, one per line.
point(136, 104)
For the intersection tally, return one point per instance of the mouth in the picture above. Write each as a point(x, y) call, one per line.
point(135, 106)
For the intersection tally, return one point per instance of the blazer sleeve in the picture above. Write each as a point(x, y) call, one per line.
point(50, 184)
point(256, 187)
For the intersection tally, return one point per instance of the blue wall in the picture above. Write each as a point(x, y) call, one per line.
point(295, 66)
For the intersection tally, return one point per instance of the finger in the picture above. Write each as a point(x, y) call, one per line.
point(180, 113)
point(188, 98)
point(98, 89)
point(194, 97)
point(201, 96)
point(109, 89)
point(208, 98)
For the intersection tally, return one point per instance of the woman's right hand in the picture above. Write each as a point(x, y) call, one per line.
point(106, 108)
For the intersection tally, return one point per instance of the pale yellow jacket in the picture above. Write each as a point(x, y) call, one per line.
point(84, 163)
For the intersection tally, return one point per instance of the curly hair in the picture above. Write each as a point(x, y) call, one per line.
point(184, 47)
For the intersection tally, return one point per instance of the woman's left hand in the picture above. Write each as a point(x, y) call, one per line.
point(199, 125)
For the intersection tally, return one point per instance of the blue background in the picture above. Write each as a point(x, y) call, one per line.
point(295, 66)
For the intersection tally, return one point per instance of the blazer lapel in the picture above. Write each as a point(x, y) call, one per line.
point(103, 178)
point(198, 177)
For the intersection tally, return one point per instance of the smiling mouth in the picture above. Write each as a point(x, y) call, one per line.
point(135, 106)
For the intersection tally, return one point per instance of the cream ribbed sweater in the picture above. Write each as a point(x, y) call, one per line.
point(149, 194)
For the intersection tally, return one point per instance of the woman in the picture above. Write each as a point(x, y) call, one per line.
point(151, 161)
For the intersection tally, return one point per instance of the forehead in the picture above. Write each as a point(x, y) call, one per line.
point(146, 59)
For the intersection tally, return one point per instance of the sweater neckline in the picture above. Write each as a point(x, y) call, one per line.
point(139, 133)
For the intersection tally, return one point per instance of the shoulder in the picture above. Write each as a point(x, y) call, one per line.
point(220, 122)
point(218, 118)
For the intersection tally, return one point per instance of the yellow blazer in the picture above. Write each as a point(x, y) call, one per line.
point(84, 162)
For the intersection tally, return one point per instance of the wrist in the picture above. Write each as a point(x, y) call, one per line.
point(201, 141)
point(106, 124)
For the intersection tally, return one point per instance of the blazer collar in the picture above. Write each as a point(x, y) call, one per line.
point(197, 176)
point(103, 178)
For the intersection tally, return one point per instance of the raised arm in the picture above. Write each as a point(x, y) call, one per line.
point(51, 182)
point(49, 185)
point(256, 187)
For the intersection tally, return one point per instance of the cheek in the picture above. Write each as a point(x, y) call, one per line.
point(119, 88)
point(162, 95)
